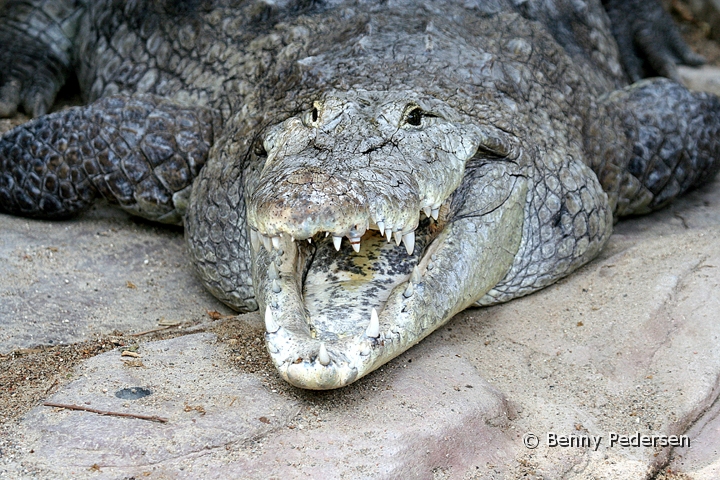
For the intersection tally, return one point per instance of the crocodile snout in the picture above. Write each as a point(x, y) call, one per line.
point(306, 201)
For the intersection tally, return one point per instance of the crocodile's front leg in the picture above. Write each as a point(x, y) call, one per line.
point(139, 152)
point(651, 142)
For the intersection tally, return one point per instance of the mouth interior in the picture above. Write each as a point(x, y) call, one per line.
point(340, 288)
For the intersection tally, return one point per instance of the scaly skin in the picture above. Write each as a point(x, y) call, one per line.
point(492, 143)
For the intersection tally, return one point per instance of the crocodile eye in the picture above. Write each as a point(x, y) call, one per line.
point(414, 117)
point(314, 114)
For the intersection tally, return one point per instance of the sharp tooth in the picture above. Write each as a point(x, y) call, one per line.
point(326, 234)
point(388, 233)
point(309, 240)
point(276, 242)
point(409, 240)
point(373, 329)
point(415, 275)
point(409, 290)
point(267, 243)
point(273, 273)
point(323, 356)
point(254, 240)
point(435, 212)
point(428, 211)
point(276, 286)
point(355, 243)
point(337, 241)
point(270, 324)
point(398, 237)
point(381, 227)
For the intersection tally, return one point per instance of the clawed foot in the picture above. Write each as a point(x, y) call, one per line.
point(31, 74)
point(649, 41)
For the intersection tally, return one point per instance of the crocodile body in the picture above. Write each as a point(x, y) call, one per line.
point(358, 171)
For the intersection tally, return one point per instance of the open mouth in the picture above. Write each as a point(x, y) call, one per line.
point(332, 303)
point(359, 248)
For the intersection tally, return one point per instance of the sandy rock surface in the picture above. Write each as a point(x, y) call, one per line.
point(628, 345)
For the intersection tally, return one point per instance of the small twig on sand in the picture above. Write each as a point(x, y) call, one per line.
point(153, 330)
point(152, 418)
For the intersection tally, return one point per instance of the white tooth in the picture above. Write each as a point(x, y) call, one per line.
point(427, 210)
point(323, 356)
point(337, 241)
point(435, 212)
point(276, 286)
point(326, 234)
point(292, 239)
point(409, 240)
point(388, 233)
point(415, 275)
point(409, 290)
point(273, 273)
point(254, 240)
point(309, 240)
point(267, 243)
point(398, 237)
point(381, 227)
point(270, 324)
point(373, 329)
point(355, 243)
point(276, 242)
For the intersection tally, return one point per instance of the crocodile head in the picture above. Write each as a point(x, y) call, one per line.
point(358, 248)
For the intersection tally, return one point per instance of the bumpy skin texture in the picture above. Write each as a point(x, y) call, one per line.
point(140, 153)
point(510, 123)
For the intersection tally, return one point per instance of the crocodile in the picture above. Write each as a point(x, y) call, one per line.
point(358, 170)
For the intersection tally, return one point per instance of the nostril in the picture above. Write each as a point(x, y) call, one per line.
point(311, 118)
point(259, 148)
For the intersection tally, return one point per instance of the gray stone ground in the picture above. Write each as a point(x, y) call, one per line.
point(628, 344)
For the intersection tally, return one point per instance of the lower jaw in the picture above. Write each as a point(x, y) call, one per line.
point(319, 330)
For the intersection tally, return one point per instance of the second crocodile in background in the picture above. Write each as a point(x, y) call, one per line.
point(358, 171)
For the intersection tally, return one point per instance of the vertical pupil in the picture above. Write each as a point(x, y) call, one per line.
point(314, 114)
